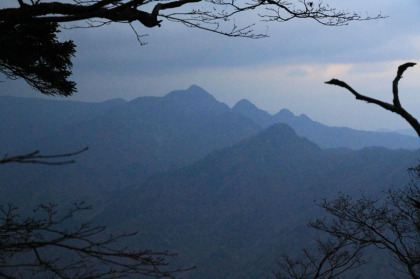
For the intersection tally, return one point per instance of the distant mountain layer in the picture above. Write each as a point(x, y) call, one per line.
point(132, 140)
point(24, 120)
point(326, 136)
point(127, 140)
point(235, 212)
point(230, 190)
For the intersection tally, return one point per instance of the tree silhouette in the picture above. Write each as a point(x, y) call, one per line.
point(392, 225)
point(29, 48)
point(54, 245)
point(33, 52)
point(396, 104)
point(51, 245)
point(333, 258)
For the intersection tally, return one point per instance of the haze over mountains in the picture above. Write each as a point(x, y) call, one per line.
point(29, 119)
point(229, 189)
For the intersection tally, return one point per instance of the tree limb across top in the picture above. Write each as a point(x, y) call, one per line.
point(210, 15)
point(31, 27)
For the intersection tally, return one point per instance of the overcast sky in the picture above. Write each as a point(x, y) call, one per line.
point(286, 70)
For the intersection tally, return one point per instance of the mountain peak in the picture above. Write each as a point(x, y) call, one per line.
point(249, 110)
point(193, 92)
point(282, 135)
point(196, 88)
point(196, 99)
point(244, 104)
point(285, 113)
point(279, 130)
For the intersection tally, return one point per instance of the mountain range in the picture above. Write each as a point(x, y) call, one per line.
point(236, 211)
point(323, 135)
point(228, 189)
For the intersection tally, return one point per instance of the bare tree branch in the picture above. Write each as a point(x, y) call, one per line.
point(335, 256)
point(211, 10)
point(45, 245)
point(401, 70)
point(395, 106)
point(47, 63)
point(392, 225)
point(37, 158)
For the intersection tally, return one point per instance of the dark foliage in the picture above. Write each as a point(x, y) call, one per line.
point(32, 52)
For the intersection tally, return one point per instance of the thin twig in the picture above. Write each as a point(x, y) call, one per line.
point(37, 158)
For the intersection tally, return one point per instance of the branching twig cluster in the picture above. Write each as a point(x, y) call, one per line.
point(206, 15)
point(392, 225)
point(46, 244)
point(333, 258)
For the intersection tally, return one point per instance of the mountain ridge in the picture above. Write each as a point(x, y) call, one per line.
point(194, 99)
point(250, 202)
point(196, 178)
point(327, 136)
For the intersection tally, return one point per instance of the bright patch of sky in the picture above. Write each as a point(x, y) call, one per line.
point(287, 70)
